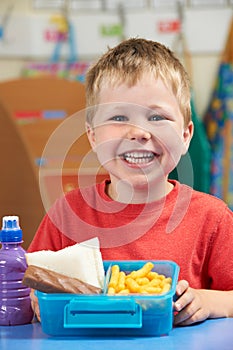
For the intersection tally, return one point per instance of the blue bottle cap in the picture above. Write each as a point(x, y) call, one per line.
point(11, 231)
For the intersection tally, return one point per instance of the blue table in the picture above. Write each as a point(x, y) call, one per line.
point(209, 335)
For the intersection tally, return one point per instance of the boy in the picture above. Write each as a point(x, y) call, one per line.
point(139, 124)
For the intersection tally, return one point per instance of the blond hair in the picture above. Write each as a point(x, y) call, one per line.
point(128, 61)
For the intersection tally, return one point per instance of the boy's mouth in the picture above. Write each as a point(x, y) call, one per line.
point(138, 157)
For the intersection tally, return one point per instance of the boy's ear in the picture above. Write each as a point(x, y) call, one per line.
point(187, 136)
point(91, 135)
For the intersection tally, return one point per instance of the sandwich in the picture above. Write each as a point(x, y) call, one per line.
point(75, 269)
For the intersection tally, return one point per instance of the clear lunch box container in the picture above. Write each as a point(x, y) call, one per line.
point(65, 314)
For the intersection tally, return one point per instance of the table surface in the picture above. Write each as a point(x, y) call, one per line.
point(209, 335)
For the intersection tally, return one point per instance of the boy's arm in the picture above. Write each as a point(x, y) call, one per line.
point(196, 305)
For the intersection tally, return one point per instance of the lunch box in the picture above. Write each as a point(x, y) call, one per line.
point(65, 314)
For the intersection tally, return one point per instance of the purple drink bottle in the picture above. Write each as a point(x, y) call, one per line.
point(15, 304)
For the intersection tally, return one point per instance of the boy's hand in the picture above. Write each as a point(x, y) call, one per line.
point(191, 305)
point(35, 304)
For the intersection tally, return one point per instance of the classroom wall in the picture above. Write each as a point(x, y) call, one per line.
point(23, 42)
point(205, 29)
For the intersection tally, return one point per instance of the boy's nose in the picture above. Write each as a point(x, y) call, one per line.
point(138, 133)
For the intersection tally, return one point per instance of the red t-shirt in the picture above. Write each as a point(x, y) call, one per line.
point(193, 229)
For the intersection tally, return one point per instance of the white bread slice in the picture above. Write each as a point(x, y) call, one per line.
point(82, 261)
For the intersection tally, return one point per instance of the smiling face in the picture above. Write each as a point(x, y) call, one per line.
point(139, 135)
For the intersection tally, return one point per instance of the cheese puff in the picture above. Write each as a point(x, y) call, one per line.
point(168, 280)
point(111, 291)
point(114, 276)
point(161, 277)
point(152, 275)
point(166, 288)
point(142, 280)
point(124, 292)
point(150, 290)
point(132, 285)
point(143, 271)
point(121, 282)
point(156, 282)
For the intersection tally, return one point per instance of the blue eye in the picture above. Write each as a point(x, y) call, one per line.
point(156, 118)
point(119, 118)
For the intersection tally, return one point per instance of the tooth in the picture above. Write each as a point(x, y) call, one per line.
point(138, 156)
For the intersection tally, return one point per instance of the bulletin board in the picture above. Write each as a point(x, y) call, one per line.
point(34, 35)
